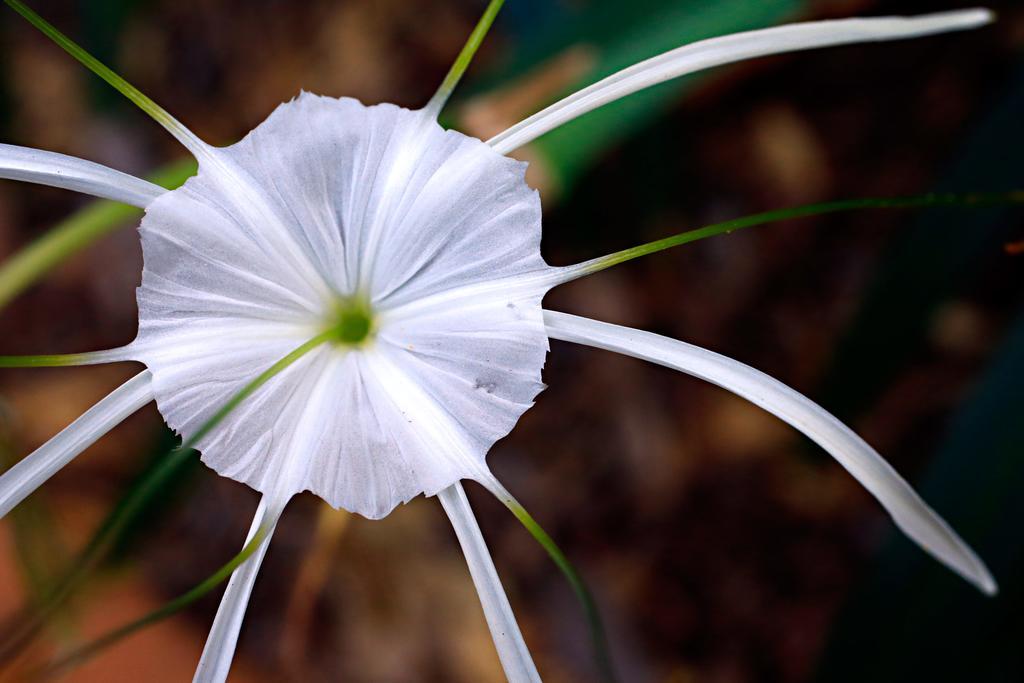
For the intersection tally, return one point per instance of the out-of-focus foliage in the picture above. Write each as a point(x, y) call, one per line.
point(579, 45)
point(719, 548)
point(910, 620)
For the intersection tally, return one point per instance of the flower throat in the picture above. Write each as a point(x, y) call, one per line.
point(352, 322)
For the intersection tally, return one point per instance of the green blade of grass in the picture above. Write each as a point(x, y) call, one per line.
point(75, 233)
point(94, 647)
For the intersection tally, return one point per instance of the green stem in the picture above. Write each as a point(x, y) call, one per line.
point(970, 200)
point(51, 361)
point(61, 360)
point(130, 507)
point(597, 632)
point(75, 233)
point(85, 652)
point(462, 62)
point(97, 67)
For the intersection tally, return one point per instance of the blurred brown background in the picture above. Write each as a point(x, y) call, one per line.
point(721, 546)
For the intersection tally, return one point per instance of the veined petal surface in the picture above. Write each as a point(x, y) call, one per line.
point(325, 203)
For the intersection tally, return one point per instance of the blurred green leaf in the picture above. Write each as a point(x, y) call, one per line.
point(912, 619)
point(622, 34)
point(76, 233)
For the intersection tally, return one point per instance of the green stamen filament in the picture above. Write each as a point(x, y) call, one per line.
point(199, 149)
point(81, 654)
point(598, 637)
point(134, 504)
point(46, 361)
point(971, 200)
point(463, 60)
point(158, 113)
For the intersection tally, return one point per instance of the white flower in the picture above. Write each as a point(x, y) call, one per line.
point(419, 247)
point(397, 265)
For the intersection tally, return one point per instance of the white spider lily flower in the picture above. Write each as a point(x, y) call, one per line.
point(398, 264)
point(418, 247)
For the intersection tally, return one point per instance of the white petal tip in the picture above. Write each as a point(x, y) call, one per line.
point(928, 24)
point(986, 584)
point(971, 569)
point(970, 18)
point(969, 566)
point(925, 528)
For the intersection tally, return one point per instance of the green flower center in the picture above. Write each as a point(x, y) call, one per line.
point(352, 322)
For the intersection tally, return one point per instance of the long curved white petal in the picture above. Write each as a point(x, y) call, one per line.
point(725, 50)
point(910, 513)
point(28, 474)
point(71, 173)
point(512, 651)
point(219, 650)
